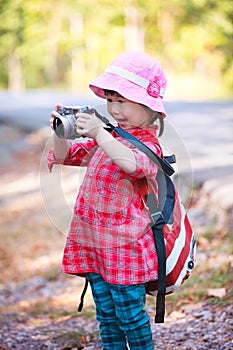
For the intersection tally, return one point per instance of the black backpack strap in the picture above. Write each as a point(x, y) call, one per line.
point(80, 306)
point(163, 164)
point(161, 214)
point(161, 252)
point(157, 228)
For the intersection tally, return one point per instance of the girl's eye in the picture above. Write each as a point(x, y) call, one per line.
point(109, 99)
point(121, 101)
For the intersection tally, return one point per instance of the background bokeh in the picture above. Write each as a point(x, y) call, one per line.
point(65, 44)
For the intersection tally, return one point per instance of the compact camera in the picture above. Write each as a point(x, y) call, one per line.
point(64, 125)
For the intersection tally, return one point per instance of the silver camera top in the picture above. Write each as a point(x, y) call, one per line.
point(66, 110)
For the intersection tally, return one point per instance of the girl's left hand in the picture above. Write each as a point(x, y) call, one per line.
point(88, 124)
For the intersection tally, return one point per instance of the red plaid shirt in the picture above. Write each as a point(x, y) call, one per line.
point(110, 231)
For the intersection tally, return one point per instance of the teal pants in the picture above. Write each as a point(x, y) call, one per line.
point(120, 311)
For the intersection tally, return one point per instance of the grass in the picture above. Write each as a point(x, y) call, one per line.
point(71, 339)
point(55, 311)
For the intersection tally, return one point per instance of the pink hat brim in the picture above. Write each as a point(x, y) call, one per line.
point(127, 89)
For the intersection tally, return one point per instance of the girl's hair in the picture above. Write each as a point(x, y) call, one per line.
point(155, 116)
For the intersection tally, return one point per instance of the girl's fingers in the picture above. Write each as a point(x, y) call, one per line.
point(57, 107)
point(81, 123)
point(54, 114)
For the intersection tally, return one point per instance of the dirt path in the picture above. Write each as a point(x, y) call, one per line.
point(39, 326)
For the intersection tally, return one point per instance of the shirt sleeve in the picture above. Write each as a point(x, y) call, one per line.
point(145, 166)
point(79, 154)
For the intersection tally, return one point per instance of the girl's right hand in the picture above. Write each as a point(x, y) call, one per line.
point(54, 114)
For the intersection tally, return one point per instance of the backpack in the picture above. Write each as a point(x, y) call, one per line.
point(177, 251)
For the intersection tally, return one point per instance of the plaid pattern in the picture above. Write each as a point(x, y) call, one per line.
point(79, 154)
point(110, 231)
point(120, 311)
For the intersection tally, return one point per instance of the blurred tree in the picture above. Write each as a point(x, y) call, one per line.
point(12, 26)
point(134, 26)
point(66, 43)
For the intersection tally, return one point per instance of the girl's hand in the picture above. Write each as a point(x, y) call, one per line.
point(88, 124)
point(53, 115)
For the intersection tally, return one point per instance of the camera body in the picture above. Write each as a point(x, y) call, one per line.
point(64, 125)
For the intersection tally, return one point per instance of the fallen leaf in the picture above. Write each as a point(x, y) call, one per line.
point(216, 292)
point(62, 319)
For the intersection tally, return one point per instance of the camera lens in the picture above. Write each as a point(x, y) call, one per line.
point(58, 127)
point(64, 127)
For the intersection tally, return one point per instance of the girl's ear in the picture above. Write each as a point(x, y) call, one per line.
point(158, 116)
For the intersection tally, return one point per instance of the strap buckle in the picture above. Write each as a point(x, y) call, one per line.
point(158, 219)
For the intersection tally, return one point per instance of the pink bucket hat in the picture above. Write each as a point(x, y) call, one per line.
point(135, 76)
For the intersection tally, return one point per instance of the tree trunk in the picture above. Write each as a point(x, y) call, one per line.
point(134, 29)
point(15, 76)
point(53, 38)
point(77, 54)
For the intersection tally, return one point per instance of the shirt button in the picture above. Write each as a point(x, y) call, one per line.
point(86, 195)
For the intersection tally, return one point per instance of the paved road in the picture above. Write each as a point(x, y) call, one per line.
point(206, 129)
point(202, 130)
point(31, 110)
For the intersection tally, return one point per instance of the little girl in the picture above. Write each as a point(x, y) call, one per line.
point(110, 240)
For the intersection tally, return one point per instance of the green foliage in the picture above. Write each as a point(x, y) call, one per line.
point(56, 44)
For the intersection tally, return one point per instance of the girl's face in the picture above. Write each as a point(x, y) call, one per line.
point(127, 114)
